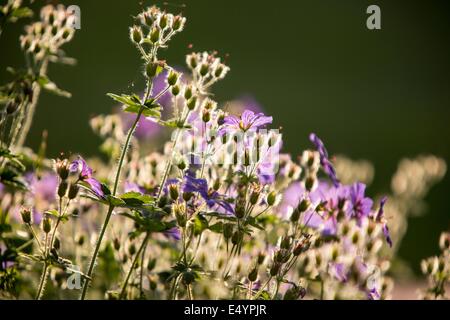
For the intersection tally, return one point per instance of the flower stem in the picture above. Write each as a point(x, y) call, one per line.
point(136, 257)
point(42, 282)
point(111, 207)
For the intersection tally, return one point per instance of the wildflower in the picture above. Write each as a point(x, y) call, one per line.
point(173, 233)
point(85, 175)
point(212, 197)
point(248, 121)
point(361, 205)
point(380, 218)
point(324, 160)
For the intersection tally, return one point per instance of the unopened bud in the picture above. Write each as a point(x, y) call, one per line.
point(26, 215)
point(172, 78)
point(46, 225)
point(271, 198)
point(253, 275)
point(73, 191)
point(173, 191)
point(136, 34)
point(62, 188)
point(154, 35)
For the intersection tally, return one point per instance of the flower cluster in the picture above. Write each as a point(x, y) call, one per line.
point(217, 211)
point(437, 270)
point(45, 37)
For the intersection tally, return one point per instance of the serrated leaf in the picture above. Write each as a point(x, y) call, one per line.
point(125, 99)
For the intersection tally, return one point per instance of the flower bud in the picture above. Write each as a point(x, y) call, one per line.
point(173, 77)
point(46, 225)
point(204, 68)
point(227, 231)
point(173, 191)
point(175, 90)
point(154, 35)
point(73, 191)
point(163, 21)
point(62, 168)
point(271, 198)
point(295, 216)
point(56, 243)
point(62, 188)
point(192, 103)
point(151, 264)
point(152, 69)
point(178, 23)
point(187, 92)
point(131, 249)
point(303, 205)
point(136, 34)
point(253, 275)
point(188, 277)
point(274, 269)
point(206, 116)
point(236, 238)
point(240, 210)
point(285, 243)
point(301, 247)
point(26, 215)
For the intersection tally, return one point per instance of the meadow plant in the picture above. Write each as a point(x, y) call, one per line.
point(218, 212)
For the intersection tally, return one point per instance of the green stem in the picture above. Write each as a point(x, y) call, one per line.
point(136, 257)
point(42, 282)
point(111, 207)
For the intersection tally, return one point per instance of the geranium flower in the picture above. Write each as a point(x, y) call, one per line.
point(380, 218)
point(248, 121)
point(361, 205)
point(173, 233)
point(324, 160)
point(211, 197)
point(85, 175)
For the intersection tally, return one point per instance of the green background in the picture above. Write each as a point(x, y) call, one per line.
point(313, 65)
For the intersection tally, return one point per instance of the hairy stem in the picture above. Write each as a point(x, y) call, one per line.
point(42, 282)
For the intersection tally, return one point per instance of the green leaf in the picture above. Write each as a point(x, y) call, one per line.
point(21, 12)
point(200, 224)
point(53, 212)
point(46, 84)
point(174, 123)
point(116, 202)
point(136, 199)
point(128, 100)
point(147, 112)
point(217, 227)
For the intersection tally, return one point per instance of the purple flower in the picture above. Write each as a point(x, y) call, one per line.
point(324, 159)
point(85, 175)
point(339, 271)
point(146, 127)
point(173, 233)
point(212, 197)
point(380, 218)
point(373, 294)
point(44, 188)
point(133, 187)
point(361, 205)
point(248, 121)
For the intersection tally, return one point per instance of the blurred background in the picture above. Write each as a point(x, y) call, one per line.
point(379, 95)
